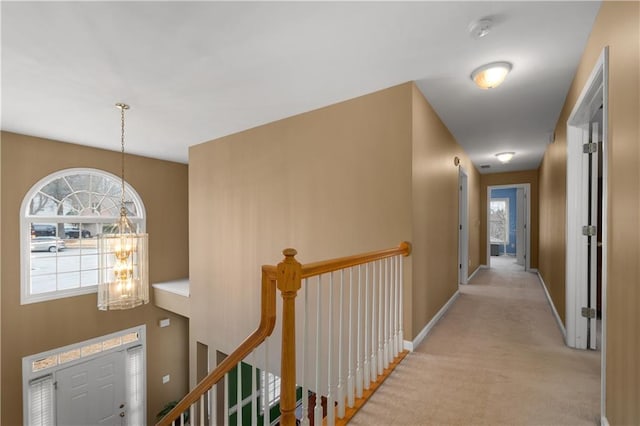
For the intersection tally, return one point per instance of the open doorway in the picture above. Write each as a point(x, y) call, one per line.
point(508, 216)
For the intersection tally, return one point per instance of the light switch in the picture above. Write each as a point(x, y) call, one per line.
point(165, 379)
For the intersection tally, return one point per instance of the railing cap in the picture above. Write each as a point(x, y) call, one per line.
point(289, 252)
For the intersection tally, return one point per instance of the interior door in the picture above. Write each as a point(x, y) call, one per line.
point(92, 393)
point(592, 235)
point(520, 226)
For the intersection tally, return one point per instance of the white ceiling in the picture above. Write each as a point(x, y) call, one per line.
point(196, 71)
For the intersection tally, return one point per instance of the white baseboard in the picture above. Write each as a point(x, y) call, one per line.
point(474, 273)
point(533, 270)
point(553, 307)
point(427, 328)
point(604, 421)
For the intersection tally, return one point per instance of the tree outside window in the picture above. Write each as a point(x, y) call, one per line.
point(499, 221)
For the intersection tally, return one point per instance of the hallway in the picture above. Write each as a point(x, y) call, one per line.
point(496, 357)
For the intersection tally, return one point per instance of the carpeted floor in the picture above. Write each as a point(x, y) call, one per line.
point(496, 358)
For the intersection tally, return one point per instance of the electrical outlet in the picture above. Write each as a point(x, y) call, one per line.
point(165, 322)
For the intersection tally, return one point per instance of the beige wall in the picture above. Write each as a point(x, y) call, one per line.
point(332, 182)
point(617, 26)
point(33, 328)
point(435, 213)
point(349, 178)
point(486, 180)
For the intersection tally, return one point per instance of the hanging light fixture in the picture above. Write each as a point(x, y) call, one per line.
point(491, 75)
point(123, 281)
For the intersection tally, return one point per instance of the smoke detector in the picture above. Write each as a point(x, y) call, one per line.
point(480, 28)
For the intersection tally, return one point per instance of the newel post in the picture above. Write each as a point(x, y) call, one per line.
point(289, 282)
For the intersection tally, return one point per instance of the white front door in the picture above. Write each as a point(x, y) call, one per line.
point(92, 393)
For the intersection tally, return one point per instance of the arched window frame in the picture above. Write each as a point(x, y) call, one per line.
point(26, 220)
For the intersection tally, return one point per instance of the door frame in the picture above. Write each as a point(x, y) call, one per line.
point(463, 226)
point(594, 91)
point(527, 203)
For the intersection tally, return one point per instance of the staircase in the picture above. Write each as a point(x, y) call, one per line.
point(350, 341)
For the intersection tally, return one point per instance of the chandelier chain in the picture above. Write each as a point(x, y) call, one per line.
point(122, 199)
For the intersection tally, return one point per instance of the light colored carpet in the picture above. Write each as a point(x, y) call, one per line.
point(496, 358)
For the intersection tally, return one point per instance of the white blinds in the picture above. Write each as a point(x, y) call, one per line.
point(40, 395)
point(135, 386)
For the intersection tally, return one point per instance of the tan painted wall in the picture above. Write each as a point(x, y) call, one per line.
point(617, 26)
point(331, 182)
point(435, 213)
point(38, 327)
point(486, 180)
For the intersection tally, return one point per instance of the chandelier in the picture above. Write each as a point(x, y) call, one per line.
point(123, 265)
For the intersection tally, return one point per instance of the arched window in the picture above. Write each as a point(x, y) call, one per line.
point(61, 216)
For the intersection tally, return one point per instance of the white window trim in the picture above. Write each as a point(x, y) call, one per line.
point(25, 227)
point(28, 375)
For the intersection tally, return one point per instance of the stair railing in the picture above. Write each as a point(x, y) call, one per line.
point(371, 336)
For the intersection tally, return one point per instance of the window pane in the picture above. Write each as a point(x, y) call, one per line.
point(68, 262)
point(68, 281)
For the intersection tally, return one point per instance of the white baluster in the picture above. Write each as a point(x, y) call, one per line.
point(192, 413)
point(330, 395)
point(381, 319)
point(374, 309)
point(350, 388)
point(213, 418)
point(385, 350)
point(239, 394)
point(202, 410)
point(400, 327)
point(392, 310)
point(396, 335)
point(305, 343)
point(341, 407)
point(181, 419)
point(366, 329)
point(226, 401)
point(265, 385)
point(317, 412)
point(254, 399)
point(359, 337)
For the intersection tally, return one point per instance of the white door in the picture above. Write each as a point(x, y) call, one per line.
point(592, 237)
point(92, 393)
point(521, 226)
point(463, 231)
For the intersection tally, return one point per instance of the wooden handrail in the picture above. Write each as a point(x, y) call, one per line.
point(287, 277)
point(326, 266)
point(267, 323)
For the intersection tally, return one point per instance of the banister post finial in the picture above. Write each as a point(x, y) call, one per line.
point(289, 282)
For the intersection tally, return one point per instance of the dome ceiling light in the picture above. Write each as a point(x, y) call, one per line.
point(491, 75)
point(505, 157)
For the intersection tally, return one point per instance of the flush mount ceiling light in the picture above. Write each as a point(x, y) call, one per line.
point(491, 75)
point(123, 263)
point(505, 157)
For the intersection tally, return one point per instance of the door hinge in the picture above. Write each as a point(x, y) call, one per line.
point(588, 312)
point(55, 385)
point(589, 230)
point(589, 148)
point(460, 266)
